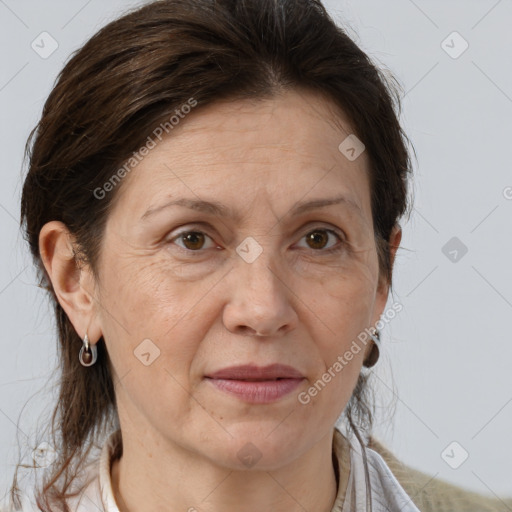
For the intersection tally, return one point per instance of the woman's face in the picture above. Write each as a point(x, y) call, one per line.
point(174, 309)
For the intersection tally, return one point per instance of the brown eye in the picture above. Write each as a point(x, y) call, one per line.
point(192, 240)
point(319, 238)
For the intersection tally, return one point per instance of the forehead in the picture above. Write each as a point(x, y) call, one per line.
point(284, 150)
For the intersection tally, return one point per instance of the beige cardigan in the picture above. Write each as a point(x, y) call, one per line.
point(435, 495)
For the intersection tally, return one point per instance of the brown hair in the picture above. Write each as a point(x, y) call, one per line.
point(127, 79)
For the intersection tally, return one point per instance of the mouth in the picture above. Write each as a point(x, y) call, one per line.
point(257, 380)
point(255, 384)
point(251, 372)
point(257, 391)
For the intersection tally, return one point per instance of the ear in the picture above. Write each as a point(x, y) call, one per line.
point(383, 287)
point(73, 286)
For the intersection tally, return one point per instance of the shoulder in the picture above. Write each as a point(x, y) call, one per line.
point(84, 492)
point(430, 494)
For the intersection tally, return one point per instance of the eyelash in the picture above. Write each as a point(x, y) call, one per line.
point(337, 248)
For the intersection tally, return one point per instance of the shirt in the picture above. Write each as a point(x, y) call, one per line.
point(387, 495)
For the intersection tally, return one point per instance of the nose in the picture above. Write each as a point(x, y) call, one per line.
point(260, 300)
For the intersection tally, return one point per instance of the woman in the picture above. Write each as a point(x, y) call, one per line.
point(213, 203)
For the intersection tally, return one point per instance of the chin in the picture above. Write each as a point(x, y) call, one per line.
point(256, 447)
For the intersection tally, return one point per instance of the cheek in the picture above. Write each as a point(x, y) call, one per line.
point(142, 290)
point(344, 300)
point(142, 302)
point(343, 307)
point(152, 335)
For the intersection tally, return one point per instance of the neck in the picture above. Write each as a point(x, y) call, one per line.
point(178, 479)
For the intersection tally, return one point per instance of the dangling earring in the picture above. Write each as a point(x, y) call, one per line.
point(375, 352)
point(88, 353)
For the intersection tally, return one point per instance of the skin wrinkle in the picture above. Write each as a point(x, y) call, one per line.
point(181, 436)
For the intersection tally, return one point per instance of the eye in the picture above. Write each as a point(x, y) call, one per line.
point(192, 240)
point(319, 238)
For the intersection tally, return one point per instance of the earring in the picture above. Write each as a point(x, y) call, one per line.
point(88, 353)
point(375, 352)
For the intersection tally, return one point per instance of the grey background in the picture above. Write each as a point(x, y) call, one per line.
point(447, 354)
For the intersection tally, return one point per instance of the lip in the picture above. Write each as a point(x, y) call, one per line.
point(253, 372)
point(258, 385)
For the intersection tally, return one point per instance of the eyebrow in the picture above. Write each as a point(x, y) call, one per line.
point(221, 210)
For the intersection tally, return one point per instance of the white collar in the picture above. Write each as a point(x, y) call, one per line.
point(107, 495)
point(386, 492)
